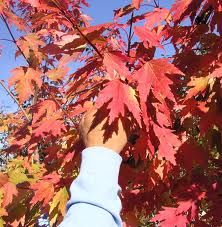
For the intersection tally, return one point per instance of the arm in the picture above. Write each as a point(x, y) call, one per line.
point(94, 198)
point(94, 194)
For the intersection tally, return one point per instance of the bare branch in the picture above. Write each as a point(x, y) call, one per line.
point(13, 38)
point(9, 40)
point(16, 101)
point(130, 35)
point(148, 5)
point(156, 4)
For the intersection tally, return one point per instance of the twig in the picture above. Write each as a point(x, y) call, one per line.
point(68, 17)
point(7, 40)
point(156, 4)
point(167, 43)
point(123, 29)
point(20, 50)
point(130, 35)
point(13, 38)
point(148, 5)
point(14, 98)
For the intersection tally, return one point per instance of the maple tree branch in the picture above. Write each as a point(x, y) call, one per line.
point(130, 35)
point(14, 98)
point(79, 31)
point(156, 4)
point(12, 36)
point(20, 50)
point(75, 27)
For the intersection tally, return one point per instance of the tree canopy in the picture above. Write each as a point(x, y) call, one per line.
point(171, 170)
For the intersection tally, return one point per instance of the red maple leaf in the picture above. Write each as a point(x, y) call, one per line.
point(153, 75)
point(149, 36)
point(115, 63)
point(188, 205)
point(190, 153)
point(217, 72)
point(155, 17)
point(49, 127)
point(168, 143)
point(143, 147)
point(45, 108)
point(179, 8)
point(136, 3)
point(119, 95)
point(169, 218)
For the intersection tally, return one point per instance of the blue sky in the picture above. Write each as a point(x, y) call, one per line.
point(101, 11)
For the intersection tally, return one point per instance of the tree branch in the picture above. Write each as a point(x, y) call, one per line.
point(13, 38)
point(156, 4)
point(14, 98)
point(75, 27)
point(130, 35)
point(20, 50)
point(7, 40)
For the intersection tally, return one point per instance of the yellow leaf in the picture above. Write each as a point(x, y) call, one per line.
point(198, 85)
point(17, 176)
point(2, 222)
point(59, 201)
point(57, 74)
point(3, 128)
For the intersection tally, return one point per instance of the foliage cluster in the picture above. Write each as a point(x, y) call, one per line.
point(172, 172)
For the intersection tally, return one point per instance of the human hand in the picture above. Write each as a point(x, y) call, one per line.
point(94, 136)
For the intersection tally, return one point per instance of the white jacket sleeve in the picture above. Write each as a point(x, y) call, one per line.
point(94, 198)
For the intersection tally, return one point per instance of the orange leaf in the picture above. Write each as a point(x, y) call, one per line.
point(44, 192)
point(45, 108)
point(198, 86)
point(25, 80)
point(57, 74)
point(9, 191)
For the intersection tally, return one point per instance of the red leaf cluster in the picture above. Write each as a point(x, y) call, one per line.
point(157, 68)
